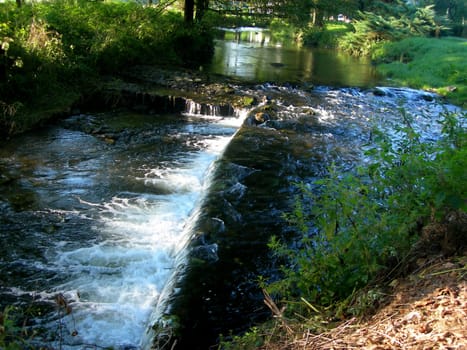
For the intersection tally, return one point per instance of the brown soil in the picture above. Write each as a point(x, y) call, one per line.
point(424, 310)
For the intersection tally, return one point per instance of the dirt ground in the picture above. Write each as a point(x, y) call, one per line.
point(424, 310)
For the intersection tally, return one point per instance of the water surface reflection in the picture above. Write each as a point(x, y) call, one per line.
point(252, 55)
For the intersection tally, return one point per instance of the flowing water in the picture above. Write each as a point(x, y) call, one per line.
point(99, 221)
point(254, 183)
point(97, 211)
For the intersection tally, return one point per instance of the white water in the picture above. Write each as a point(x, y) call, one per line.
point(115, 284)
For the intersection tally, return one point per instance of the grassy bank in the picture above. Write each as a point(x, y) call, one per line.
point(51, 52)
point(327, 37)
point(434, 64)
point(427, 63)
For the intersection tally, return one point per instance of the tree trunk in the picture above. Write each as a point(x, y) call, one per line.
point(19, 3)
point(318, 20)
point(189, 10)
point(201, 7)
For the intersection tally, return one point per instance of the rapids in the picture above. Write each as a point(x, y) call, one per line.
point(119, 227)
point(99, 220)
point(255, 182)
point(106, 210)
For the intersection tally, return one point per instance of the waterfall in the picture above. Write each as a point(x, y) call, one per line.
point(209, 110)
point(102, 219)
point(114, 221)
point(163, 303)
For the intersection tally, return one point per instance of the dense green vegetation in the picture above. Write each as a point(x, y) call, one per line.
point(391, 32)
point(431, 64)
point(408, 47)
point(354, 227)
point(373, 29)
point(53, 51)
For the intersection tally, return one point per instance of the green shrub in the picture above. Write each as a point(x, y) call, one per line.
point(32, 54)
point(51, 42)
point(251, 340)
point(53, 51)
point(357, 225)
point(326, 37)
point(372, 29)
point(110, 36)
point(193, 45)
point(12, 336)
point(284, 31)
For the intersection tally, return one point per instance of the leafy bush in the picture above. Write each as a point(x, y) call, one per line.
point(326, 37)
point(356, 226)
point(32, 54)
point(371, 29)
point(284, 31)
point(110, 36)
point(66, 39)
point(51, 49)
point(251, 340)
point(12, 337)
point(193, 45)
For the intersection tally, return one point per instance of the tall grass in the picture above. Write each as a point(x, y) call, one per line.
point(427, 63)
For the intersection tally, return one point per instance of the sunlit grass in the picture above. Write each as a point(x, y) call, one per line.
point(433, 64)
point(326, 37)
point(337, 27)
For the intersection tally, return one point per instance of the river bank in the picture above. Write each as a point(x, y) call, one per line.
point(98, 90)
point(308, 128)
point(430, 64)
point(424, 309)
point(104, 173)
point(126, 90)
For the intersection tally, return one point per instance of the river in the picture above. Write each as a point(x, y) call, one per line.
point(113, 221)
point(101, 221)
point(253, 55)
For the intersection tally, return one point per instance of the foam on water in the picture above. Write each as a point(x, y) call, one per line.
point(114, 284)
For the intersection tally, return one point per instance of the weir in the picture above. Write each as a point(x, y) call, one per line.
point(210, 110)
point(115, 208)
point(121, 226)
point(159, 326)
point(150, 226)
point(131, 97)
point(216, 291)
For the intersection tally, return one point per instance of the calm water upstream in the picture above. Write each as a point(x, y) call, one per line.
point(251, 54)
point(97, 210)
